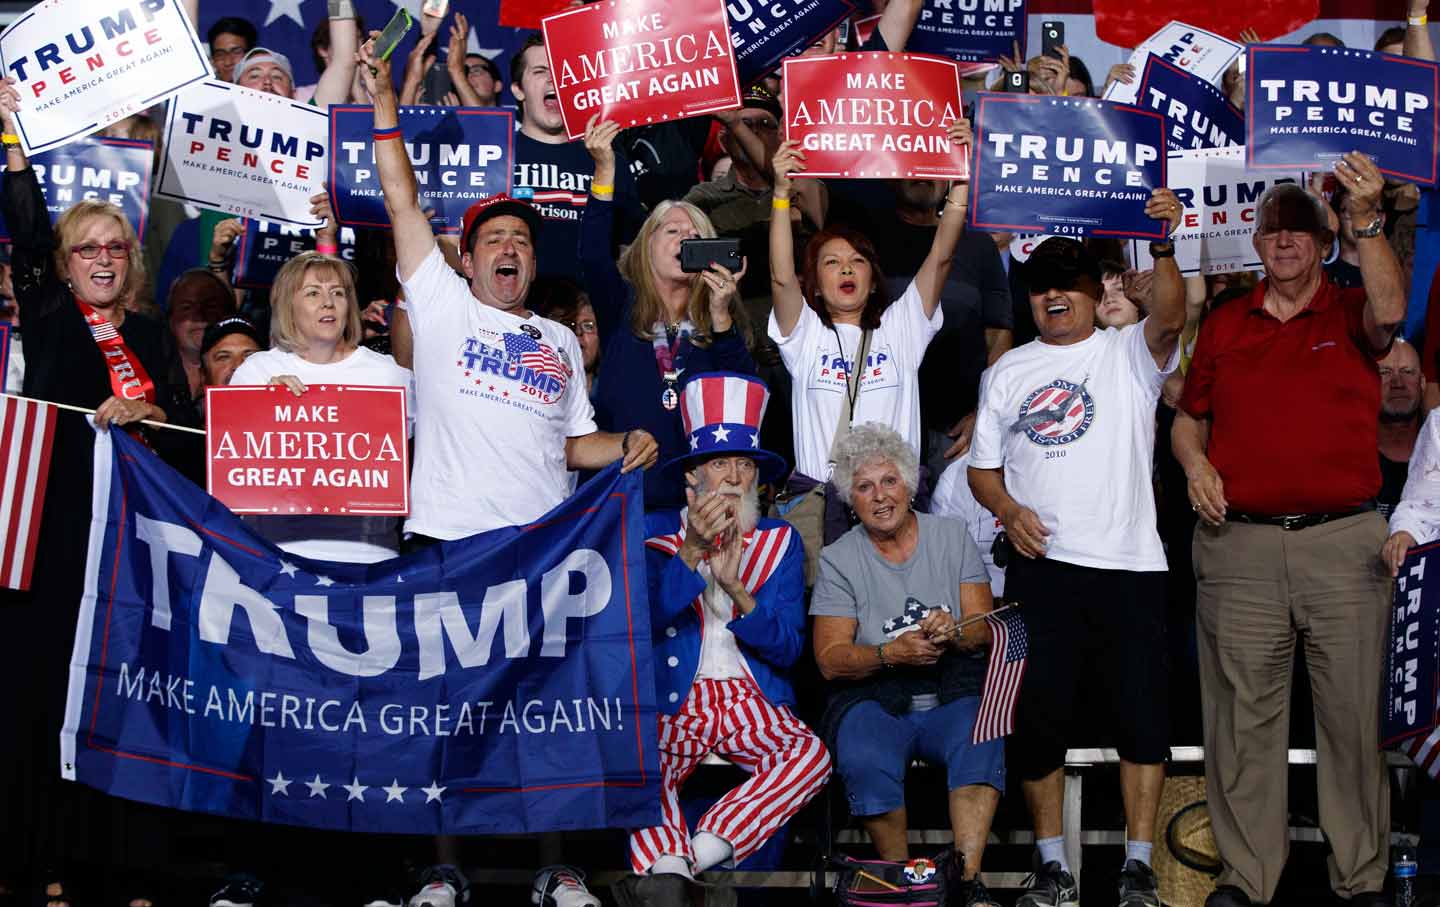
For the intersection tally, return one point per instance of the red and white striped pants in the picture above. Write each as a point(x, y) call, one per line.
point(787, 763)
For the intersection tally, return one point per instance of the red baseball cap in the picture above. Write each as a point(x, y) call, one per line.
point(497, 206)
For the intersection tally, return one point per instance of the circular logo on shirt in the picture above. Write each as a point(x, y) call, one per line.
point(530, 329)
point(1057, 413)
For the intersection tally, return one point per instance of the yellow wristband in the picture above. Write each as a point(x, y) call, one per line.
point(602, 189)
point(779, 204)
point(1418, 20)
point(9, 138)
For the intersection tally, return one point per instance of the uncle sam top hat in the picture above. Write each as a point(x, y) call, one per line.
point(722, 412)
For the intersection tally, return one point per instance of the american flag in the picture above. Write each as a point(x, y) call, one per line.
point(1008, 648)
point(535, 356)
point(27, 428)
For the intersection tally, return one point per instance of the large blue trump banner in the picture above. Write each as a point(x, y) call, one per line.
point(1197, 114)
point(460, 155)
point(1065, 166)
point(764, 32)
point(107, 170)
point(501, 683)
point(1408, 706)
point(1306, 106)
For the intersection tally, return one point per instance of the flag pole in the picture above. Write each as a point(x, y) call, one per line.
point(960, 625)
point(91, 412)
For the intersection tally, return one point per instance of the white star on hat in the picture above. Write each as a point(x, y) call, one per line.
point(694, 442)
point(433, 792)
point(317, 787)
point(279, 784)
point(755, 440)
point(722, 433)
point(356, 791)
point(395, 793)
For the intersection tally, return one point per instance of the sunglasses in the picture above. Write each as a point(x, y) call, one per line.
point(90, 251)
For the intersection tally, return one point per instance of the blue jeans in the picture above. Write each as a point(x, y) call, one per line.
point(874, 749)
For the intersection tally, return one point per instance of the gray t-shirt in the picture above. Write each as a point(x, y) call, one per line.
point(856, 582)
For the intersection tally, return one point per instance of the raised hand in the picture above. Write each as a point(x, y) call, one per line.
point(788, 159)
point(1164, 205)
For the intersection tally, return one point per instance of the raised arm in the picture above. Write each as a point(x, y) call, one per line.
point(930, 279)
point(787, 298)
point(455, 62)
point(335, 81)
point(1379, 269)
point(597, 221)
point(1417, 32)
point(1166, 318)
point(413, 236)
point(897, 22)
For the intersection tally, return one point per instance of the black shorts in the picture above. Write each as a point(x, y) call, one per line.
point(1097, 672)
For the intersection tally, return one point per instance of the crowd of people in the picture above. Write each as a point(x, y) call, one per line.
point(857, 442)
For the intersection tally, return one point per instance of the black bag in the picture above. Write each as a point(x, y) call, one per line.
point(921, 882)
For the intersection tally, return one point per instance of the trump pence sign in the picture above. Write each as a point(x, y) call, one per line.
point(641, 61)
point(81, 65)
point(875, 115)
point(337, 450)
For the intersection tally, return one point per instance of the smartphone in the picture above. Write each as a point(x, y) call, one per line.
point(437, 84)
point(1052, 35)
point(436, 8)
point(394, 32)
point(1018, 82)
point(696, 255)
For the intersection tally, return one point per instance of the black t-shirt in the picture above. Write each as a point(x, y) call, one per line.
point(976, 296)
point(665, 157)
point(1392, 482)
point(556, 180)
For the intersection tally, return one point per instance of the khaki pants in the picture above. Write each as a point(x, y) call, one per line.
point(1259, 589)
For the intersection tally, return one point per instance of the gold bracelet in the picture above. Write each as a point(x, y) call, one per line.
point(779, 204)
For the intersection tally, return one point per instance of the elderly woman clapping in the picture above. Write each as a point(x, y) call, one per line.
point(906, 680)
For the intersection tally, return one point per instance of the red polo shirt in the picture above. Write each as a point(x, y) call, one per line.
point(1293, 405)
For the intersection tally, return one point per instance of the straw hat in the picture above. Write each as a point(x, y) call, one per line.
point(1186, 859)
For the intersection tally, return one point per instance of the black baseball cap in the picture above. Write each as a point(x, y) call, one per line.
point(224, 328)
point(1060, 263)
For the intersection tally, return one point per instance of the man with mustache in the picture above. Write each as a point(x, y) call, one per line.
point(728, 620)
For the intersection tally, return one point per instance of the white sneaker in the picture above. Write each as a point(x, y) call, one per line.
point(561, 886)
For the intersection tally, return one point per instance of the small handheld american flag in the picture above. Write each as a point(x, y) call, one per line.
point(1008, 648)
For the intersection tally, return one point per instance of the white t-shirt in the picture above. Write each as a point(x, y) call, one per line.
point(354, 539)
point(1074, 428)
point(1418, 512)
point(498, 395)
point(889, 391)
point(953, 498)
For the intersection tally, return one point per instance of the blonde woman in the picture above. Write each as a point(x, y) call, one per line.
point(314, 336)
point(657, 323)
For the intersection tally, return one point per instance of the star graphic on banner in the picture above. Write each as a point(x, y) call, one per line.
point(324, 581)
point(356, 791)
point(317, 787)
point(395, 793)
point(288, 568)
point(722, 433)
point(433, 792)
point(279, 784)
point(289, 9)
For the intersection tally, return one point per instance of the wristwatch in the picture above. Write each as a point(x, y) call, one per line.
point(1373, 229)
point(1162, 249)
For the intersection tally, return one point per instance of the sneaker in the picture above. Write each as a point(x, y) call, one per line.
point(441, 886)
point(1138, 885)
point(973, 893)
point(1050, 886)
point(561, 886)
point(240, 890)
point(1227, 896)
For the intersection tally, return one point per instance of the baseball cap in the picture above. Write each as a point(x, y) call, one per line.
point(224, 328)
point(496, 206)
point(1060, 263)
point(760, 99)
point(258, 55)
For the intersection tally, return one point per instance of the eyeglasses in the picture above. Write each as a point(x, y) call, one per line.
point(473, 68)
point(581, 327)
point(229, 52)
point(90, 251)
